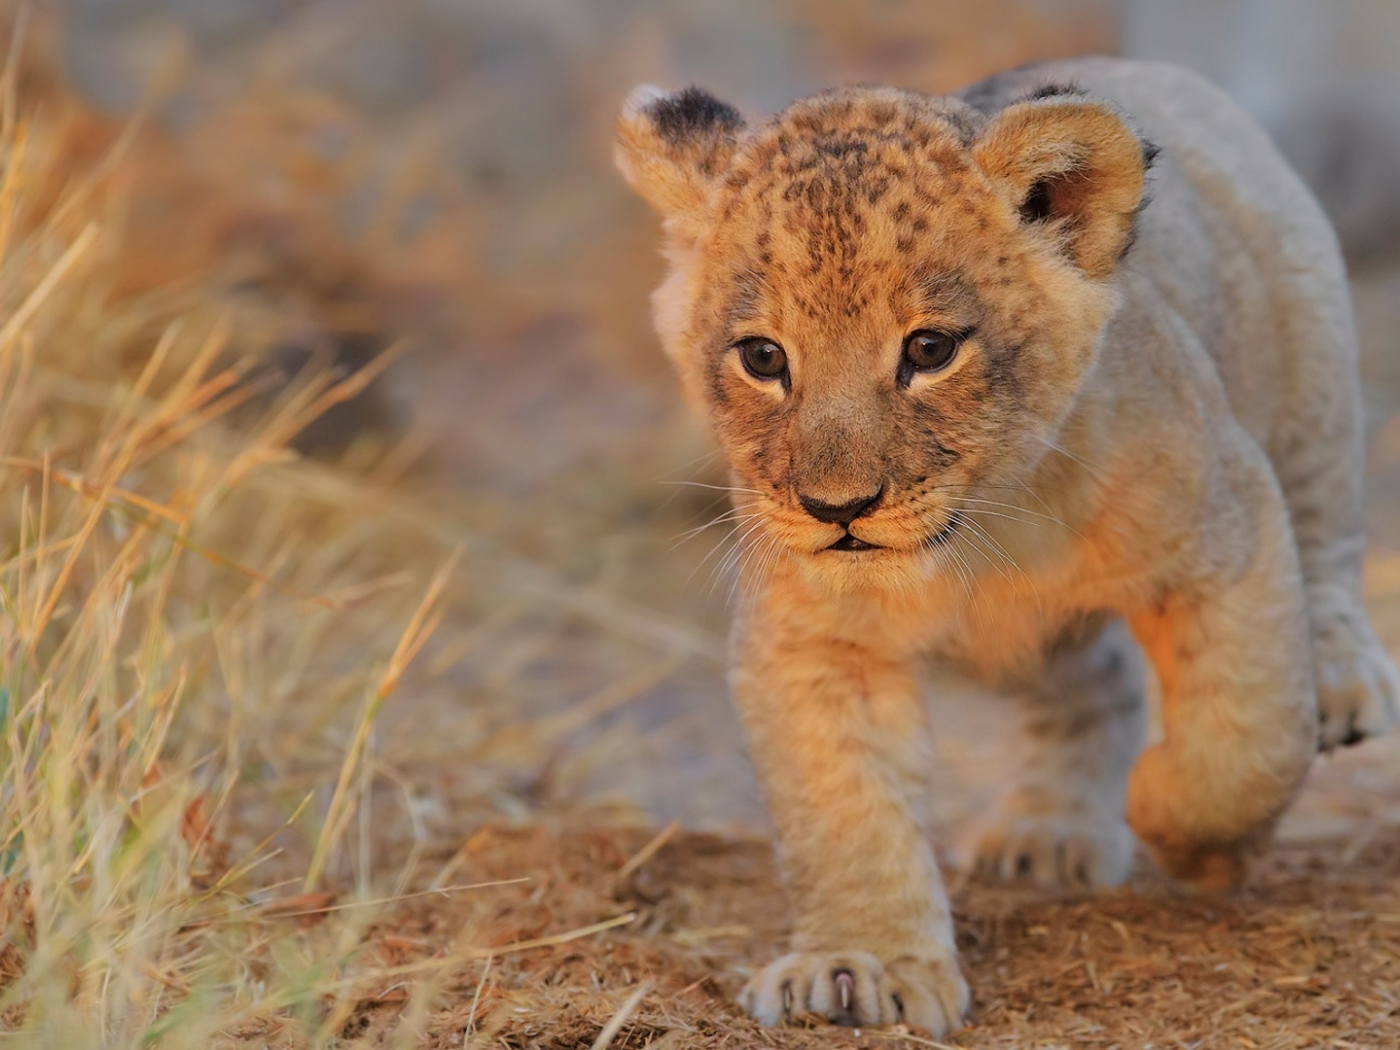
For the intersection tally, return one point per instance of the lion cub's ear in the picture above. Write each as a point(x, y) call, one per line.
point(672, 147)
point(1073, 164)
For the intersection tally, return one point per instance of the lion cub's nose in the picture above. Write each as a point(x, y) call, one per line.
point(840, 513)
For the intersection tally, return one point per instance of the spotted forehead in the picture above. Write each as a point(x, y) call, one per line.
point(857, 140)
point(835, 196)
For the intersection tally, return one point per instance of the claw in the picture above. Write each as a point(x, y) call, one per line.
point(787, 998)
point(845, 988)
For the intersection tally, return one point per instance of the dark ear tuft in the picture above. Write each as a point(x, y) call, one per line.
point(673, 148)
point(1150, 152)
point(1052, 91)
point(692, 112)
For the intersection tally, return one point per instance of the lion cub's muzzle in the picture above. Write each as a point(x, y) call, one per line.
point(844, 514)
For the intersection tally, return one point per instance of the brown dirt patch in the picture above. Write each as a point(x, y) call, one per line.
point(1309, 956)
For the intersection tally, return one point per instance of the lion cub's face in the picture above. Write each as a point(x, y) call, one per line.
point(885, 302)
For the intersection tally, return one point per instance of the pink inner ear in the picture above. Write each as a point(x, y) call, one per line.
point(1067, 195)
point(1082, 201)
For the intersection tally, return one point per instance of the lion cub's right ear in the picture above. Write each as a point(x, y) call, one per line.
point(1069, 160)
point(671, 148)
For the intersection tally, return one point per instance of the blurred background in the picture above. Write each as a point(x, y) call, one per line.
point(436, 174)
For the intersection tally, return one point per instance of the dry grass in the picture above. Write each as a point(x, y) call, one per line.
point(205, 635)
point(197, 633)
point(300, 755)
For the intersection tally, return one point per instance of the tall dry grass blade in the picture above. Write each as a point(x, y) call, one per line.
point(77, 483)
point(420, 627)
point(36, 299)
point(9, 79)
point(9, 190)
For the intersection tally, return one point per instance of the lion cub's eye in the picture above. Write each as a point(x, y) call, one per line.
point(762, 358)
point(928, 351)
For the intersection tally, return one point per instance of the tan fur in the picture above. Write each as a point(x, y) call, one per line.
point(1161, 431)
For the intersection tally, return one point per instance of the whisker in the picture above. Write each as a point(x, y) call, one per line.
point(715, 488)
point(776, 550)
point(716, 549)
point(739, 534)
point(984, 486)
point(746, 563)
point(704, 457)
point(1005, 556)
point(983, 512)
point(736, 571)
point(1012, 506)
point(964, 570)
point(720, 500)
point(1095, 471)
point(990, 549)
point(942, 555)
point(731, 558)
point(733, 514)
point(1044, 517)
point(756, 554)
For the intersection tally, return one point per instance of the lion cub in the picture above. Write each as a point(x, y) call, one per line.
point(1015, 377)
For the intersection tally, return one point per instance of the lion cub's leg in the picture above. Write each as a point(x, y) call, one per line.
point(1358, 690)
point(1230, 645)
point(838, 737)
point(1061, 822)
point(1318, 454)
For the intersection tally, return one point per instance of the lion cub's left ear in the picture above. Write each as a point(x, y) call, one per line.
point(1073, 162)
point(671, 148)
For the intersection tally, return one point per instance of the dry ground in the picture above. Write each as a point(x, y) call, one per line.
point(1308, 957)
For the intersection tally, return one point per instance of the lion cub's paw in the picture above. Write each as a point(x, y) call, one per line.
point(1358, 690)
point(1209, 848)
point(1078, 848)
point(855, 988)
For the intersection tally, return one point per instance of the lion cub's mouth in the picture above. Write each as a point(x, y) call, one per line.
point(853, 543)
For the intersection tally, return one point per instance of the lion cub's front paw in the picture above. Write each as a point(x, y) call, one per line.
point(1074, 849)
point(1209, 849)
point(1358, 690)
point(855, 988)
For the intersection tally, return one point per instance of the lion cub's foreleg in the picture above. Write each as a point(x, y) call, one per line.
point(838, 735)
point(1061, 821)
point(1230, 643)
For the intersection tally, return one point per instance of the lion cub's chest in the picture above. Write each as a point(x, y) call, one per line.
point(1016, 606)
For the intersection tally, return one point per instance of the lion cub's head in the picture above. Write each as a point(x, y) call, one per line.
point(884, 302)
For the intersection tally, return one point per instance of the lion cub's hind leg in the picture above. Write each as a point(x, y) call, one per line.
point(1318, 456)
point(1060, 822)
point(1358, 690)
